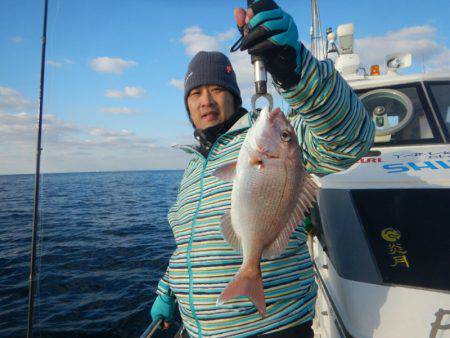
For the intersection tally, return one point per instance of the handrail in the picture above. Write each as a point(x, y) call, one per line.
point(151, 329)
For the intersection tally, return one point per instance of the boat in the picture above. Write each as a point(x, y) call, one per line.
point(379, 239)
point(381, 246)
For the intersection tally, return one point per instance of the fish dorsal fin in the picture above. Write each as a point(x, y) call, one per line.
point(306, 198)
point(226, 172)
point(228, 232)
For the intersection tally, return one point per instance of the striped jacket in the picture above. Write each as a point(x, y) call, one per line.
point(334, 131)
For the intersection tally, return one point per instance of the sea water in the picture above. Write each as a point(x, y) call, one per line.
point(103, 244)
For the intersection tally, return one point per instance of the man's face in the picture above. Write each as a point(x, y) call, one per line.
point(210, 105)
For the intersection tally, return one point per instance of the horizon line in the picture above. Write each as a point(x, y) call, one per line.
point(89, 172)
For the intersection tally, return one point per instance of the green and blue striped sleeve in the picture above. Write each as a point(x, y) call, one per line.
point(163, 287)
point(333, 126)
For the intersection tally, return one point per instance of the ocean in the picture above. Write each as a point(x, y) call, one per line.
point(104, 244)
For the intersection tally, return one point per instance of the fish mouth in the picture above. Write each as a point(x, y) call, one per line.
point(266, 153)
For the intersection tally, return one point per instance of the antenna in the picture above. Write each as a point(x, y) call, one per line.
point(317, 43)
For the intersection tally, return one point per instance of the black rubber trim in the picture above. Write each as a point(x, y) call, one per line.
point(338, 321)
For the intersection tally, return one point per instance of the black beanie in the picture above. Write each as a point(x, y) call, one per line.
point(211, 68)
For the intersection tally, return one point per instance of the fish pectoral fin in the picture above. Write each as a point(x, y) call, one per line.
point(279, 244)
point(226, 172)
point(228, 232)
point(247, 282)
point(309, 190)
point(306, 198)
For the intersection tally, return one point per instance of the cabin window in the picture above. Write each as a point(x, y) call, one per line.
point(401, 115)
point(441, 94)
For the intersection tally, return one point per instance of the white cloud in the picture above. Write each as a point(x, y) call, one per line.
point(111, 65)
point(127, 92)
point(59, 64)
point(227, 35)
point(68, 147)
point(177, 83)
point(54, 64)
point(420, 41)
point(12, 99)
point(440, 61)
point(17, 39)
point(111, 133)
point(118, 110)
point(196, 40)
point(21, 128)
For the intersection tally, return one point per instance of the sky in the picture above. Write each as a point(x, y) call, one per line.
point(113, 96)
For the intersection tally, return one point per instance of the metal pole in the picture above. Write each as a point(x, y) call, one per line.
point(151, 329)
point(31, 284)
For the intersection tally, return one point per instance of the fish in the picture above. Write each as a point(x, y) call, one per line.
point(271, 193)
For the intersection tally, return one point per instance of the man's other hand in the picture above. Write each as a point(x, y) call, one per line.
point(163, 307)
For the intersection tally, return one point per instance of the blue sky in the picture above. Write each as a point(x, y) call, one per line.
point(112, 98)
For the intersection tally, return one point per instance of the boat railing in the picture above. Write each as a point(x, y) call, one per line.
point(151, 329)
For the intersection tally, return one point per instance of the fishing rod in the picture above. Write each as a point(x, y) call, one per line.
point(31, 284)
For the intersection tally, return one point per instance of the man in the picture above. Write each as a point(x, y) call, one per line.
point(334, 131)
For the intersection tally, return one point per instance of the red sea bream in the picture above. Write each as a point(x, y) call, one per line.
point(271, 194)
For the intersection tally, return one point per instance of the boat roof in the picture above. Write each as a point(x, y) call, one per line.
point(363, 82)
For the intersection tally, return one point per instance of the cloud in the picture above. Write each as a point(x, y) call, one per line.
point(54, 64)
point(118, 110)
point(420, 41)
point(111, 65)
point(227, 35)
point(440, 61)
point(68, 147)
point(59, 64)
point(195, 40)
point(17, 39)
point(22, 127)
point(12, 99)
point(177, 83)
point(111, 133)
point(128, 92)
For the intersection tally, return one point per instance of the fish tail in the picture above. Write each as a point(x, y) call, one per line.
point(247, 282)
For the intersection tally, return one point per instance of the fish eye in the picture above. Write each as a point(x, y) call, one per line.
point(285, 136)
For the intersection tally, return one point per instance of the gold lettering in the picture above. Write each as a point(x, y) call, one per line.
point(396, 249)
point(398, 260)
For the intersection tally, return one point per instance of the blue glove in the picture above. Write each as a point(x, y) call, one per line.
point(164, 307)
point(273, 35)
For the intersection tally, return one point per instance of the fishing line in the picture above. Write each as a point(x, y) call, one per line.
point(41, 228)
point(39, 258)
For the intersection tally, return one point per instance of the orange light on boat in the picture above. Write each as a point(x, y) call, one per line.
point(374, 70)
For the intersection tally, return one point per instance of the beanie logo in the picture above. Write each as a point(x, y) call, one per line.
point(229, 69)
point(187, 77)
